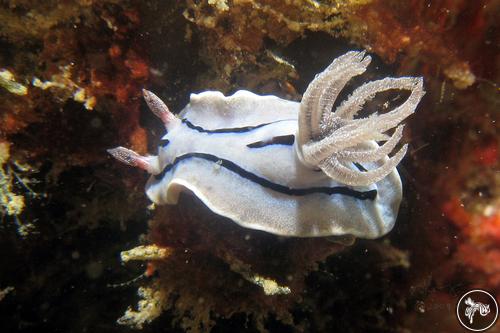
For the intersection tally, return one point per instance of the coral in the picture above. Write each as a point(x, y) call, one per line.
point(236, 33)
point(12, 204)
point(63, 70)
point(22, 21)
point(460, 74)
point(89, 58)
point(148, 309)
point(8, 81)
point(269, 286)
point(5, 291)
point(65, 89)
point(62, 81)
point(220, 261)
point(145, 252)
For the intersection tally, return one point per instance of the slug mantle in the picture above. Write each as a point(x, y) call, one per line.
point(287, 168)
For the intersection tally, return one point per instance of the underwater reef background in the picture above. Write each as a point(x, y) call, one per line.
point(71, 75)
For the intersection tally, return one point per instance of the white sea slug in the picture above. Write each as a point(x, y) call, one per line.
point(288, 168)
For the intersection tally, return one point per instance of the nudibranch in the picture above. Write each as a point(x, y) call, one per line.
point(287, 168)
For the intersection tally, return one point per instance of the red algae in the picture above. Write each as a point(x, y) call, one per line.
point(487, 155)
point(432, 34)
point(480, 243)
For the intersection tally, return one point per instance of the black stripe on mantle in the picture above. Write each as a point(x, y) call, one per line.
point(227, 130)
point(286, 140)
point(361, 195)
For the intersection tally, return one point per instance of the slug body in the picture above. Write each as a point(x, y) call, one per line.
point(288, 168)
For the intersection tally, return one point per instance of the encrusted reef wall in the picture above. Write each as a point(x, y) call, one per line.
point(71, 75)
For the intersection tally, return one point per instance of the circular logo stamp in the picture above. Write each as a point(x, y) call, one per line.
point(477, 310)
